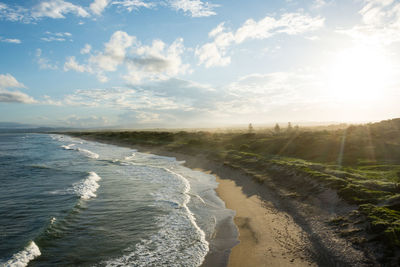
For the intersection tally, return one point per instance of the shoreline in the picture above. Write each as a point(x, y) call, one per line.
point(257, 245)
point(276, 228)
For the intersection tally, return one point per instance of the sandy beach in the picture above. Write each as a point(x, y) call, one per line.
point(267, 236)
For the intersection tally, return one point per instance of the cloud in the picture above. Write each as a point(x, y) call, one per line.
point(98, 6)
point(194, 8)
point(317, 4)
point(15, 13)
point(86, 49)
point(114, 52)
point(11, 41)
point(56, 9)
point(380, 23)
point(15, 97)
point(90, 121)
point(131, 5)
point(43, 62)
point(157, 61)
point(71, 64)
point(57, 36)
point(215, 53)
point(8, 81)
point(117, 98)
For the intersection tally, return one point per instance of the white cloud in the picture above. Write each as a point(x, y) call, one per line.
point(147, 117)
point(11, 41)
point(317, 4)
point(215, 53)
point(15, 97)
point(98, 6)
point(57, 36)
point(212, 55)
point(56, 9)
point(43, 62)
point(114, 52)
point(16, 13)
point(195, 8)
point(71, 64)
point(89, 121)
point(257, 95)
point(380, 23)
point(8, 81)
point(289, 23)
point(131, 5)
point(157, 61)
point(86, 49)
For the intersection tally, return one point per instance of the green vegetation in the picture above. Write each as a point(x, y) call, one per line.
point(362, 163)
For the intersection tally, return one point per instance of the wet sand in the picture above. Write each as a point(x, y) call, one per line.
point(267, 236)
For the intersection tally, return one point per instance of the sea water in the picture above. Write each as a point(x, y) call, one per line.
point(69, 202)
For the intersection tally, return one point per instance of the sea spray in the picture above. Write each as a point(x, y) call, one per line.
point(23, 257)
point(87, 188)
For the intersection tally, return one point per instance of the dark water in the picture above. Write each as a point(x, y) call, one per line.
point(69, 202)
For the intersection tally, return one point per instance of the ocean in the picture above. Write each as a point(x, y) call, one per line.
point(69, 202)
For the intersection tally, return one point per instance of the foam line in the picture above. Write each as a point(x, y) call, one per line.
point(87, 188)
point(22, 258)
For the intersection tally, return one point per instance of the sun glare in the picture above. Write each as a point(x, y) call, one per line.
point(358, 74)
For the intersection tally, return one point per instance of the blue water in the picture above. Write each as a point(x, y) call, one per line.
point(70, 202)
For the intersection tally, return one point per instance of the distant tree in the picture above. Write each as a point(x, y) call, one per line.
point(289, 127)
point(296, 128)
point(277, 128)
point(251, 129)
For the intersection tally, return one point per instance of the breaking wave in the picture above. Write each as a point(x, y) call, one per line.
point(87, 188)
point(23, 257)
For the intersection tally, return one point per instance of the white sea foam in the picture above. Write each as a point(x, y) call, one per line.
point(68, 147)
point(87, 188)
point(180, 241)
point(88, 153)
point(23, 257)
point(131, 157)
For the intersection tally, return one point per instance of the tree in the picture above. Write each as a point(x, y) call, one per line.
point(277, 128)
point(289, 127)
point(251, 129)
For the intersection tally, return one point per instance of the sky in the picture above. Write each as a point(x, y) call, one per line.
point(196, 63)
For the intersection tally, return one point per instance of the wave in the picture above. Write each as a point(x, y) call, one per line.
point(87, 188)
point(88, 153)
point(131, 157)
point(68, 147)
point(23, 257)
point(83, 151)
point(179, 242)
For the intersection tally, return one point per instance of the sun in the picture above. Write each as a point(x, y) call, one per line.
point(358, 74)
